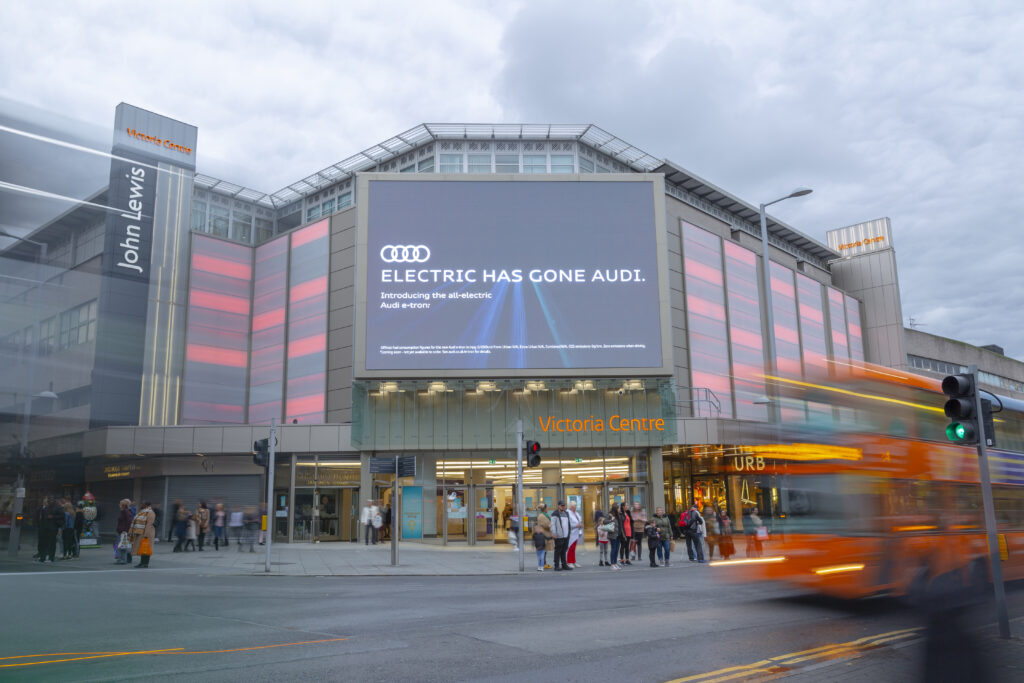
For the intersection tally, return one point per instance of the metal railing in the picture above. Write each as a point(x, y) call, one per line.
point(697, 402)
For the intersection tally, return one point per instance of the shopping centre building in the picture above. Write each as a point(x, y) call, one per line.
point(420, 298)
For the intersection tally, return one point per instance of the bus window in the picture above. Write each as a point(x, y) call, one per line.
point(967, 512)
point(826, 504)
point(1009, 504)
point(911, 506)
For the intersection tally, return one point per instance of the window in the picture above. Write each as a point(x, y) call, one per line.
point(89, 243)
point(198, 216)
point(60, 253)
point(241, 227)
point(78, 325)
point(411, 168)
point(48, 335)
point(264, 230)
point(426, 165)
point(219, 221)
point(586, 165)
point(327, 208)
point(506, 163)
point(602, 169)
point(535, 163)
point(561, 163)
point(312, 213)
point(451, 163)
point(73, 398)
point(479, 163)
point(344, 199)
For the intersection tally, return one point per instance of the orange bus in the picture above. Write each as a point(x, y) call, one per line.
point(868, 497)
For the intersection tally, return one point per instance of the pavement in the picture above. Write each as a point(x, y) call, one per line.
point(323, 559)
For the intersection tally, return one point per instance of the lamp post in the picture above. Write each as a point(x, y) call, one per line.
point(19, 487)
point(766, 275)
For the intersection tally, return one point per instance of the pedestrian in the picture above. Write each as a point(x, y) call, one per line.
point(638, 519)
point(202, 522)
point(751, 522)
point(625, 528)
point(220, 535)
point(598, 516)
point(561, 529)
point(173, 518)
point(725, 543)
point(691, 523)
point(540, 544)
point(122, 545)
point(377, 521)
point(50, 516)
point(544, 524)
point(653, 536)
point(263, 523)
point(712, 529)
point(603, 528)
point(611, 527)
point(665, 541)
point(386, 529)
point(513, 530)
point(180, 526)
point(79, 527)
point(143, 532)
point(190, 533)
point(250, 525)
point(366, 519)
point(68, 532)
point(235, 522)
point(575, 533)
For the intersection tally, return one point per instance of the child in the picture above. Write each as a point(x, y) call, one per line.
point(540, 542)
point(602, 543)
point(653, 535)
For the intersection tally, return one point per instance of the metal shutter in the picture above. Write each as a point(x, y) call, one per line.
point(235, 491)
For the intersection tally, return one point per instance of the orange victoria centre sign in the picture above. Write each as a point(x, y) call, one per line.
point(615, 423)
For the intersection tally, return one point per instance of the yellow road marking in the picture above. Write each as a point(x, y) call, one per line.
point(832, 649)
point(171, 651)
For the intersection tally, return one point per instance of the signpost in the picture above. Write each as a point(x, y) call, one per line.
point(519, 496)
point(270, 490)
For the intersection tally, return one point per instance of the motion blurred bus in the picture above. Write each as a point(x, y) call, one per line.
point(868, 497)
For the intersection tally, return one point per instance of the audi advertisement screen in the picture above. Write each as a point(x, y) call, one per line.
point(489, 275)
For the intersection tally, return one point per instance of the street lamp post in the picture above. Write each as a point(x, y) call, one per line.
point(774, 414)
point(19, 487)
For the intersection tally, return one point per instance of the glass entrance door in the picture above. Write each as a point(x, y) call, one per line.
point(534, 496)
point(588, 501)
point(504, 501)
point(485, 517)
point(456, 514)
point(627, 494)
point(326, 515)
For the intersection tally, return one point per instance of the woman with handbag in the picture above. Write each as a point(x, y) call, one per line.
point(142, 534)
point(544, 525)
point(625, 524)
point(611, 527)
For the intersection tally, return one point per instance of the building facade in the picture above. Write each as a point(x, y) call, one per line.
point(421, 298)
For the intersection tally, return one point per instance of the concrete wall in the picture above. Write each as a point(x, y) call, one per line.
point(931, 346)
point(340, 316)
point(873, 279)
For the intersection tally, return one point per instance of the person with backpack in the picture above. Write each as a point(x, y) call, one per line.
point(540, 544)
point(691, 523)
point(653, 535)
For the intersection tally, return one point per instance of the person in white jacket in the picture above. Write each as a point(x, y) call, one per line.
point(366, 517)
point(575, 533)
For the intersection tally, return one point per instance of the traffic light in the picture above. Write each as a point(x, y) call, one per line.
point(532, 454)
point(261, 452)
point(961, 409)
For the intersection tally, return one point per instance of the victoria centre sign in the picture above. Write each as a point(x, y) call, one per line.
point(511, 276)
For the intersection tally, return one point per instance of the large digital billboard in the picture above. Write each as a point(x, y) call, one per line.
point(509, 276)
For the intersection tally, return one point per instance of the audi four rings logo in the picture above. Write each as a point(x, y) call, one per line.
point(404, 253)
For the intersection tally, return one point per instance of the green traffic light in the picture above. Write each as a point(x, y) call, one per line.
point(958, 431)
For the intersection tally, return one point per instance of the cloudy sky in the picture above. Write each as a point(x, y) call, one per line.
point(912, 110)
